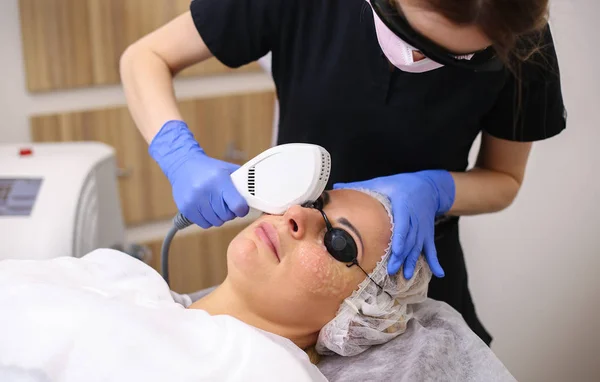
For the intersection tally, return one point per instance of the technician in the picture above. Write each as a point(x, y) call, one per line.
point(396, 90)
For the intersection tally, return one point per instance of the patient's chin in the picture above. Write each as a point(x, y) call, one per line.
point(243, 257)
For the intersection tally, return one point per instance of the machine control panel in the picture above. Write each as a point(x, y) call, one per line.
point(18, 195)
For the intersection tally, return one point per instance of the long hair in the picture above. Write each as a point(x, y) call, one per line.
point(515, 27)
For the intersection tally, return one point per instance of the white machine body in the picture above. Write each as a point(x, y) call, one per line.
point(283, 176)
point(58, 199)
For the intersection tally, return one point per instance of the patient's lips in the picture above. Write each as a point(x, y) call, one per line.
point(268, 234)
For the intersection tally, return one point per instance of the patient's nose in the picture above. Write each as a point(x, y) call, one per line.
point(298, 220)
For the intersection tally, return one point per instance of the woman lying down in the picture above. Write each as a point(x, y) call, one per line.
point(312, 279)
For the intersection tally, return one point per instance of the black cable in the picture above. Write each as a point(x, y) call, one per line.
point(179, 222)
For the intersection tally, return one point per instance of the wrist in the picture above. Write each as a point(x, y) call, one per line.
point(172, 144)
point(444, 188)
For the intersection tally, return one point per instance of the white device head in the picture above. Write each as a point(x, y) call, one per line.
point(283, 176)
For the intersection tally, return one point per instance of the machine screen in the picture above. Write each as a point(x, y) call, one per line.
point(17, 196)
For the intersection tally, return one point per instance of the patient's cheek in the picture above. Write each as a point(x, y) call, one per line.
point(242, 254)
point(318, 273)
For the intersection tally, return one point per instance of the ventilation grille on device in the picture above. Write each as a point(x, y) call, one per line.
point(252, 180)
point(325, 166)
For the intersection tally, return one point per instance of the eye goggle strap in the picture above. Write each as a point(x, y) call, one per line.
point(355, 262)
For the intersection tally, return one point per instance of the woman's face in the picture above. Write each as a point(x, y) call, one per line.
point(282, 268)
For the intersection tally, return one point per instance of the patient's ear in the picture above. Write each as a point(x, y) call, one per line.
point(313, 356)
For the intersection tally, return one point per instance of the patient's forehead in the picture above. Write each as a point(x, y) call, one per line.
point(357, 205)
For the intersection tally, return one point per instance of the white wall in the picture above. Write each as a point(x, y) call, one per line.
point(533, 268)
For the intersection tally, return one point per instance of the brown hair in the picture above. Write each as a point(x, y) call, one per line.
point(313, 356)
point(514, 26)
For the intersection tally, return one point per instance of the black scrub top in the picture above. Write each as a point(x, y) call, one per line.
point(336, 89)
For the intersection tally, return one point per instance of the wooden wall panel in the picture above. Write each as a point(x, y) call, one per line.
point(240, 124)
point(197, 260)
point(77, 43)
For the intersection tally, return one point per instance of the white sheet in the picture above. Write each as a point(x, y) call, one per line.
point(110, 317)
point(438, 345)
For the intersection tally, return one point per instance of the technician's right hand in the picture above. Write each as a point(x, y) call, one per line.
point(202, 186)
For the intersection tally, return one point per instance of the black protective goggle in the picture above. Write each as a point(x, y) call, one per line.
point(339, 243)
point(483, 60)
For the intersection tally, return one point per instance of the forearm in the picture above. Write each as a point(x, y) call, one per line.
point(148, 86)
point(147, 69)
point(480, 191)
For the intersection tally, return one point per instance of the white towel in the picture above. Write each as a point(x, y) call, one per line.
point(110, 317)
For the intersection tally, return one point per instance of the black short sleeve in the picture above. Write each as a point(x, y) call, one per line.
point(530, 106)
point(237, 32)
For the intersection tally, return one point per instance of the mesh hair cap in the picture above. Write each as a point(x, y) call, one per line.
point(369, 316)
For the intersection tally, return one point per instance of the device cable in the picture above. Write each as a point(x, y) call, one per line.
point(179, 222)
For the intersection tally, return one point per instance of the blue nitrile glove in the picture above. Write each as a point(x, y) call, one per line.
point(417, 198)
point(202, 186)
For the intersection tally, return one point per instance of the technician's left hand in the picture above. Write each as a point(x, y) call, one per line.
point(417, 198)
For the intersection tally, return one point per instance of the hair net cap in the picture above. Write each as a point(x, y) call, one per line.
point(369, 316)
